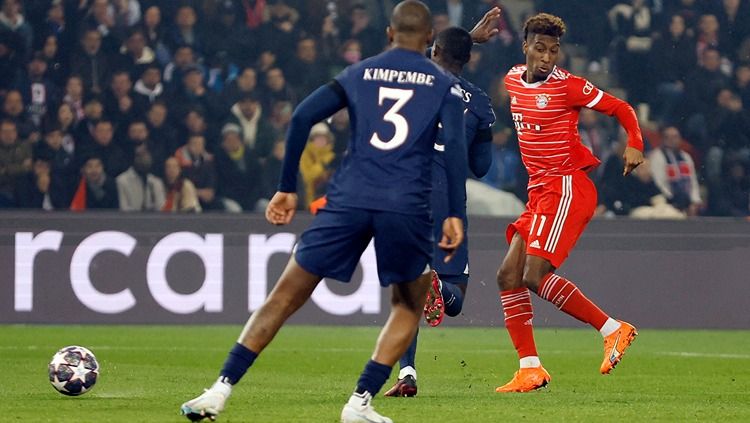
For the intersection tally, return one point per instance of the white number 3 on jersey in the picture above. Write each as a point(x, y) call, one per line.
point(399, 122)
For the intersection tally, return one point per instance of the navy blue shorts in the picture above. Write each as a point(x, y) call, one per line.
point(331, 247)
point(455, 271)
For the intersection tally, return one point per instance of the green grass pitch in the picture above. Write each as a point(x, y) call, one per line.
point(307, 374)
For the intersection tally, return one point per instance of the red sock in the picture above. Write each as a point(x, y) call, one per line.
point(568, 298)
point(518, 315)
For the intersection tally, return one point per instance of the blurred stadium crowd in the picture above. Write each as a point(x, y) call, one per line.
point(182, 105)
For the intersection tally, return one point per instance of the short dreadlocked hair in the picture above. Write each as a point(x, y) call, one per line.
point(544, 24)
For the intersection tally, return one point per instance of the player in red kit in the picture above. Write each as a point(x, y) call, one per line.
point(545, 102)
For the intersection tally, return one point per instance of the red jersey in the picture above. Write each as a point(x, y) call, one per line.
point(545, 115)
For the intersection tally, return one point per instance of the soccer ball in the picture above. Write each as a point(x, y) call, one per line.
point(73, 370)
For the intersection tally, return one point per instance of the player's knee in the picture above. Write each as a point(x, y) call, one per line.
point(531, 281)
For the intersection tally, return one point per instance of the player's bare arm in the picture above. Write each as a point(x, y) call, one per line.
point(486, 28)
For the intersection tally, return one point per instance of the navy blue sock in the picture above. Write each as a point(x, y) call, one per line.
point(240, 359)
point(373, 378)
point(408, 358)
point(453, 298)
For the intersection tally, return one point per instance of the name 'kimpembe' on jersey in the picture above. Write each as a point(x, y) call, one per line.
point(393, 101)
point(545, 115)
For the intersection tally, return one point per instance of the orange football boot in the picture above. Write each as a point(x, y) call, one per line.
point(615, 345)
point(526, 379)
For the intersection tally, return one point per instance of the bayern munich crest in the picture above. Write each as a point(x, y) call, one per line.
point(542, 100)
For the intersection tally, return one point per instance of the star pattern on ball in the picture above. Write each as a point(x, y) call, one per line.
point(79, 372)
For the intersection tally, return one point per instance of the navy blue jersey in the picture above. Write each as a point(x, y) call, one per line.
point(478, 115)
point(394, 102)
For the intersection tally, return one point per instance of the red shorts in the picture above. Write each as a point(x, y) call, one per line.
point(555, 216)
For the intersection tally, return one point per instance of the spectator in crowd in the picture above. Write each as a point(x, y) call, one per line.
point(309, 71)
point(734, 24)
point(161, 132)
point(93, 112)
point(91, 62)
point(703, 85)
point(315, 164)
point(96, 190)
point(65, 120)
point(138, 136)
point(39, 188)
point(57, 61)
point(13, 109)
point(73, 97)
point(184, 32)
point(10, 60)
point(632, 24)
point(181, 193)
point(149, 88)
point(729, 132)
point(135, 54)
point(672, 59)
point(38, 92)
point(64, 168)
point(360, 28)
point(15, 160)
point(239, 172)
point(120, 102)
point(281, 116)
point(106, 149)
point(732, 197)
point(138, 189)
point(257, 133)
point(184, 58)
point(230, 38)
point(276, 89)
point(195, 95)
point(12, 20)
point(154, 32)
point(198, 166)
point(279, 34)
point(246, 82)
point(707, 36)
point(674, 172)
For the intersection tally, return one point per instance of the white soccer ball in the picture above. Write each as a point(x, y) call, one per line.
point(73, 370)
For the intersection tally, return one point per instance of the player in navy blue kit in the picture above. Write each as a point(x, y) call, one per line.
point(382, 190)
point(451, 51)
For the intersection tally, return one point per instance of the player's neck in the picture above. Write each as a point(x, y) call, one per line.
point(409, 43)
point(530, 78)
point(453, 69)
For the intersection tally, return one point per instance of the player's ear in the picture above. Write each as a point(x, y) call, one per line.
point(525, 47)
point(389, 34)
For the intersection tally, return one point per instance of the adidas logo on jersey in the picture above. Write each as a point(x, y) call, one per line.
point(514, 100)
point(535, 244)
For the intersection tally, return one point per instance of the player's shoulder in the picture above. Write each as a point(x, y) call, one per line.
point(474, 95)
point(560, 74)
